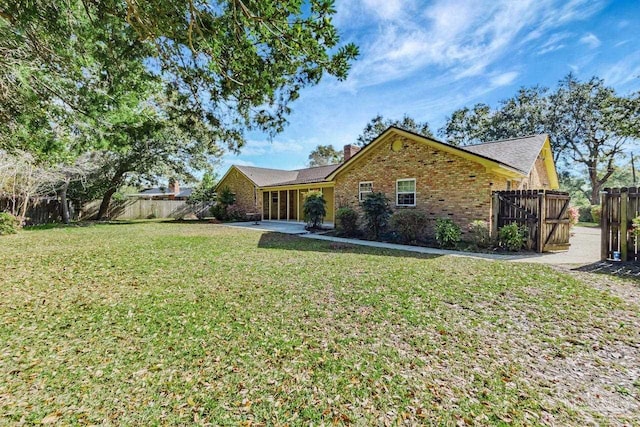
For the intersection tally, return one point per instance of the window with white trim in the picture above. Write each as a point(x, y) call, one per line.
point(406, 192)
point(364, 188)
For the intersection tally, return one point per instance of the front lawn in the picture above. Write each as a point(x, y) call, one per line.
point(170, 323)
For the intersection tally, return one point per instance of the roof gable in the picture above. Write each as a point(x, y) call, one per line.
point(488, 162)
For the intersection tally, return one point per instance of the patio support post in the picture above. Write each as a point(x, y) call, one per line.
point(269, 201)
point(287, 205)
point(298, 204)
point(624, 246)
point(278, 193)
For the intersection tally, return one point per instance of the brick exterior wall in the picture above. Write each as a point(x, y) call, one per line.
point(447, 186)
point(244, 190)
point(538, 177)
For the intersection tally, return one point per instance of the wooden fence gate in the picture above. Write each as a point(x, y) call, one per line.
point(544, 213)
point(619, 207)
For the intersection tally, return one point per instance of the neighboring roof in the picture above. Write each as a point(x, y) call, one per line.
point(264, 177)
point(521, 153)
point(163, 191)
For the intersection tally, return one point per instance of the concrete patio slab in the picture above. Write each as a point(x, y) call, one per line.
point(285, 227)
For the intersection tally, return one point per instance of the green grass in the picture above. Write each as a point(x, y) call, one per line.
point(168, 323)
point(588, 224)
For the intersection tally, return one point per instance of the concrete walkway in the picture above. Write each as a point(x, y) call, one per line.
point(585, 244)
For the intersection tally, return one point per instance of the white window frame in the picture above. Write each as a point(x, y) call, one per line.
point(360, 192)
point(414, 192)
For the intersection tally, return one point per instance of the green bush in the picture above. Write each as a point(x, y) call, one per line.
point(314, 209)
point(221, 209)
point(376, 213)
point(411, 225)
point(512, 237)
point(479, 233)
point(596, 211)
point(219, 212)
point(9, 224)
point(347, 222)
point(447, 233)
point(584, 214)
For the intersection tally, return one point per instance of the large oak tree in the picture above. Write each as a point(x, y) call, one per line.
point(125, 77)
point(589, 124)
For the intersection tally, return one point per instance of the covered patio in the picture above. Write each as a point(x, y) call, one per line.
point(286, 203)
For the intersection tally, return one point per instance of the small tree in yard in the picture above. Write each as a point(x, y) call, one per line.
point(376, 213)
point(225, 199)
point(314, 209)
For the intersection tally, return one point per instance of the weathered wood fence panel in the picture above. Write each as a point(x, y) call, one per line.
point(40, 210)
point(619, 207)
point(141, 209)
point(544, 213)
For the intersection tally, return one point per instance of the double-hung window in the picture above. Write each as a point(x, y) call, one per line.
point(364, 188)
point(406, 192)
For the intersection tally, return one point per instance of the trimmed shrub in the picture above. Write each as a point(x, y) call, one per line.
point(596, 211)
point(219, 211)
point(225, 209)
point(512, 237)
point(347, 222)
point(314, 209)
point(447, 233)
point(236, 213)
point(479, 233)
point(584, 214)
point(410, 225)
point(376, 213)
point(9, 224)
point(574, 215)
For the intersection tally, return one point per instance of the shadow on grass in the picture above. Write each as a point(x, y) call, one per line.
point(93, 223)
point(274, 240)
point(627, 270)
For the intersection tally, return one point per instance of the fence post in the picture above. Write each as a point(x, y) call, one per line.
point(542, 216)
point(624, 198)
point(604, 226)
point(495, 211)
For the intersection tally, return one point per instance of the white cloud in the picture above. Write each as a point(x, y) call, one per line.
point(463, 38)
point(590, 40)
point(553, 43)
point(504, 79)
point(623, 72)
point(386, 9)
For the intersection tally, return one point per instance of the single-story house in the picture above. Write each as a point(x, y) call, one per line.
point(171, 192)
point(414, 171)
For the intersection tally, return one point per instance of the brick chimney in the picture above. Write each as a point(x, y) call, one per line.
point(174, 187)
point(350, 150)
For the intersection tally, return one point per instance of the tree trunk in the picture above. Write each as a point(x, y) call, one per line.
point(113, 187)
point(594, 198)
point(64, 205)
point(104, 205)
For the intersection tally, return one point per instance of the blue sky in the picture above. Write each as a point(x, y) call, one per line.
point(429, 58)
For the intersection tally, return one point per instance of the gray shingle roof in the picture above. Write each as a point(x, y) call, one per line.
point(163, 191)
point(264, 177)
point(519, 153)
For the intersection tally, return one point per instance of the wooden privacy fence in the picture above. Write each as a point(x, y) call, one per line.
point(40, 210)
point(545, 214)
point(619, 207)
point(142, 209)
